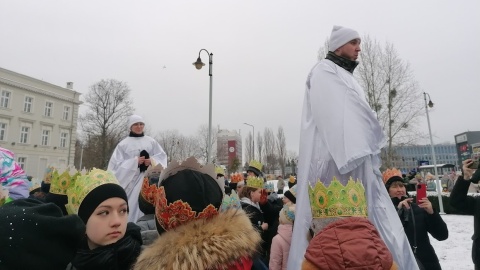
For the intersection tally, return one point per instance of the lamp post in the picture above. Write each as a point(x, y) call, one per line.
point(439, 188)
point(198, 65)
point(253, 139)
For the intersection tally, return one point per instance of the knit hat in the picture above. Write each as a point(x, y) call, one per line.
point(36, 235)
point(291, 194)
point(134, 119)
point(341, 36)
point(91, 190)
point(287, 214)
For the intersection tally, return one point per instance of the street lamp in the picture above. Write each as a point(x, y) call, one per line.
point(253, 139)
point(198, 65)
point(439, 188)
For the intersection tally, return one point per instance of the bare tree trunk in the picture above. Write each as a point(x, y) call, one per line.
point(270, 157)
point(281, 149)
point(259, 144)
point(249, 150)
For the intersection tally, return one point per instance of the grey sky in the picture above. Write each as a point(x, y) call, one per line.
point(263, 51)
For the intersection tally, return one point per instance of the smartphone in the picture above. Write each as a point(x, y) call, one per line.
point(474, 165)
point(421, 192)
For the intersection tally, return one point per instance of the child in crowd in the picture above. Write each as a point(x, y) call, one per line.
point(110, 242)
point(281, 242)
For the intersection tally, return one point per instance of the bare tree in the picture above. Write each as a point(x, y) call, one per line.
point(322, 52)
point(170, 142)
point(392, 92)
point(104, 124)
point(270, 157)
point(249, 150)
point(259, 144)
point(281, 149)
point(202, 136)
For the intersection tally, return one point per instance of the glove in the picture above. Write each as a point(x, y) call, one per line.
point(263, 197)
point(143, 167)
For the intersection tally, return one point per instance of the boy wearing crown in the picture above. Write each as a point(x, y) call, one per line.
point(341, 138)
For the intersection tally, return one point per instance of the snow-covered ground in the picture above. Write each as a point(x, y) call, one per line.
point(455, 253)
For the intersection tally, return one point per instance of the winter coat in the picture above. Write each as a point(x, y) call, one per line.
point(226, 241)
point(424, 224)
point(117, 256)
point(271, 211)
point(280, 247)
point(348, 243)
point(471, 206)
point(257, 218)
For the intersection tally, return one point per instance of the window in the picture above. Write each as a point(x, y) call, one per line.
point(48, 108)
point(27, 106)
point(45, 137)
point(3, 131)
point(63, 139)
point(22, 161)
point(66, 112)
point(5, 100)
point(24, 134)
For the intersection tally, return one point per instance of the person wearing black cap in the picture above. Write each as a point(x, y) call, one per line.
point(290, 196)
point(110, 242)
point(36, 235)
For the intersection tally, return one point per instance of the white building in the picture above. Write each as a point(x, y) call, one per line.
point(38, 121)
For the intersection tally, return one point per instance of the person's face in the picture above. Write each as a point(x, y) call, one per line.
point(285, 200)
point(108, 223)
point(239, 188)
point(250, 173)
point(137, 128)
point(255, 195)
point(397, 190)
point(350, 50)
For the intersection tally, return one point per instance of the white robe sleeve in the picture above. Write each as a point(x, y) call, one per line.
point(159, 156)
point(124, 168)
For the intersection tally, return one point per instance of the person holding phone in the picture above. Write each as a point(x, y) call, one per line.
point(418, 219)
point(468, 204)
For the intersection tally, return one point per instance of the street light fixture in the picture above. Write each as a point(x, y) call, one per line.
point(198, 65)
point(439, 188)
point(253, 139)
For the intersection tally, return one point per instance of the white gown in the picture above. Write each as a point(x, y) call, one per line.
point(124, 164)
point(341, 137)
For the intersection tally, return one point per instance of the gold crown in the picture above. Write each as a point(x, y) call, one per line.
point(84, 184)
point(389, 173)
point(62, 179)
point(219, 170)
point(255, 182)
point(256, 164)
point(338, 200)
point(291, 179)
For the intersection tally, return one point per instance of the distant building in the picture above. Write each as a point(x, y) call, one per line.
point(38, 121)
point(467, 144)
point(229, 147)
point(411, 157)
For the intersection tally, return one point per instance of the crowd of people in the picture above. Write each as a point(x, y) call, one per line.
point(144, 213)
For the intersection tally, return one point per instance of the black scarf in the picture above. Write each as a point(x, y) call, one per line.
point(344, 63)
point(133, 134)
point(117, 256)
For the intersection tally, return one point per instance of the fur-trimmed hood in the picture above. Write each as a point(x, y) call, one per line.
point(203, 244)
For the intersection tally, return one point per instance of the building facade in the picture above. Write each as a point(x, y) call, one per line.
point(411, 157)
point(467, 144)
point(38, 121)
point(229, 147)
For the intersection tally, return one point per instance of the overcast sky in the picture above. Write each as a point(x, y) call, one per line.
point(263, 51)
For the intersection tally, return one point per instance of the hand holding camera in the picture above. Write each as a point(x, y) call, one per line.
point(469, 168)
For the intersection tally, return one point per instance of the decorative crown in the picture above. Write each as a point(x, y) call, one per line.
point(48, 174)
point(389, 173)
point(236, 177)
point(291, 179)
point(84, 184)
point(231, 201)
point(190, 163)
point(338, 200)
point(269, 187)
point(293, 190)
point(62, 179)
point(150, 182)
point(289, 212)
point(255, 164)
point(219, 170)
point(254, 182)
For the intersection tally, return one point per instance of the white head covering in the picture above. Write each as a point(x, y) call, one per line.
point(341, 36)
point(134, 119)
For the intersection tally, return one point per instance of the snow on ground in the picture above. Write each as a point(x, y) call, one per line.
point(455, 253)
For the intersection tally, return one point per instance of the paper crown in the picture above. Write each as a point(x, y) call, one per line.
point(63, 179)
point(231, 201)
point(254, 182)
point(269, 187)
point(289, 212)
point(170, 215)
point(236, 177)
point(255, 164)
point(338, 200)
point(219, 170)
point(47, 177)
point(291, 179)
point(389, 173)
point(84, 184)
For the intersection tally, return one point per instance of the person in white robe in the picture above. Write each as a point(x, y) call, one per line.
point(131, 158)
point(341, 136)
